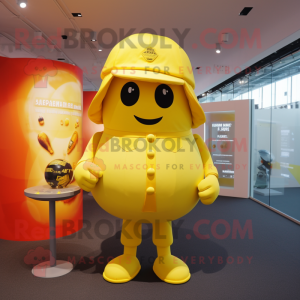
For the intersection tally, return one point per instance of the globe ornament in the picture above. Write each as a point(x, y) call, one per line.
point(58, 173)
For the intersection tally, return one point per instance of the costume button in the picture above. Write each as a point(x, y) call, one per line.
point(150, 153)
point(150, 138)
point(150, 171)
point(150, 190)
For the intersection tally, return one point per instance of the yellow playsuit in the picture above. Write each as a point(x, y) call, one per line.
point(147, 166)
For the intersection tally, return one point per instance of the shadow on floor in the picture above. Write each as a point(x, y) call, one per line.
point(196, 254)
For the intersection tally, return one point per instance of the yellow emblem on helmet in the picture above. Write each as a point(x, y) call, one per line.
point(149, 54)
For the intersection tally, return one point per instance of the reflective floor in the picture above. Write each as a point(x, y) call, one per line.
point(251, 253)
point(287, 200)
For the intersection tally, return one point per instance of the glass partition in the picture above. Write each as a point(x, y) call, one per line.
point(275, 146)
point(260, 91)
point(285, 140)
point(227, 92)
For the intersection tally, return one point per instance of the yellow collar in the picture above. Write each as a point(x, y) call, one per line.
point(120, 133)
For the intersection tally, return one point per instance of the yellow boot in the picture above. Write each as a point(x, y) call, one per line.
point(167, 267)
point(126, 266)
point(170, 268)
point(122, 268)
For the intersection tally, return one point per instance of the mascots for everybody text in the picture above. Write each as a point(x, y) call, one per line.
point(147, 166)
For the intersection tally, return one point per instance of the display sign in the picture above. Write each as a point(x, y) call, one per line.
point(227, 136)
point(41, 121)
point(220, 130)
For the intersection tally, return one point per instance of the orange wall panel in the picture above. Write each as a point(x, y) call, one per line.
point(32, 89)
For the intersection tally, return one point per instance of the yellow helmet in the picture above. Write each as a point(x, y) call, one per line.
point(151, 58)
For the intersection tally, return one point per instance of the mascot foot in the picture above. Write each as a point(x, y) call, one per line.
point(122, 269)
point(171, 269)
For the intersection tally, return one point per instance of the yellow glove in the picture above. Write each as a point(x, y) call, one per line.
point(87, 175)
point(209, 189)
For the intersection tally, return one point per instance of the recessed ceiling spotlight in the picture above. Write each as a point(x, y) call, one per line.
point(38, 34)
point(203, 94)
point(22, 3)
point(99, 49)
point(51, 48)
point(225, 37)
point(77, 14)
point(245, 11)
point(94, 36)
point(18, 47)
point(218, 48)
point(60, 55)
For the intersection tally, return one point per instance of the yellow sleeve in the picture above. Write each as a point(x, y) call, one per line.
point(91, 148)
point(208, 165)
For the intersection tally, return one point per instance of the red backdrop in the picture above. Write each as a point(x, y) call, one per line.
point(29, 88)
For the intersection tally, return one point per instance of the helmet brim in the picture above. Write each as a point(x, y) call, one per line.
point(95, 109)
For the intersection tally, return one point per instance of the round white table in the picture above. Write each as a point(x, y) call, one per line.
point(52, 268)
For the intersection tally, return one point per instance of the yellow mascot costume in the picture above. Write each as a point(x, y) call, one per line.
point(147, 166)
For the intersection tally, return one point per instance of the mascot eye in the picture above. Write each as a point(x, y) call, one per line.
point(164, 96)
point(130, 93)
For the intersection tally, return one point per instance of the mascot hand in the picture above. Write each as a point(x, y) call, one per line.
point(87, 175)
point(209, 189)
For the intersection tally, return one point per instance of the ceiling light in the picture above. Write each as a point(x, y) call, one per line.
point(22, 3)
point(60, 55)
point(99, 49)
point(203, 94)
point(38, 34)
point(245, 11)
point(18, 47)
point(225, 37)
point(94, 36)
point(51, 48)
point(77, 14)
point(218, 48)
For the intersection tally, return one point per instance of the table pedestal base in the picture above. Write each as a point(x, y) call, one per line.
point(44, 270)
